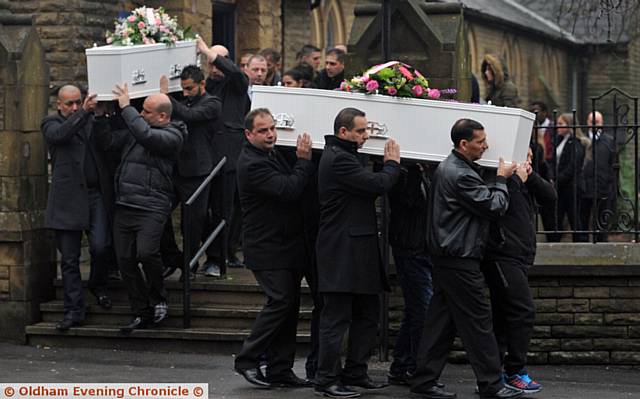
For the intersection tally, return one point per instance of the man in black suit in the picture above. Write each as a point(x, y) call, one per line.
point(79, 198)
point(462, 205)
point(350, 271)
point(201, 113)
point(227, 82)
point(273, 242)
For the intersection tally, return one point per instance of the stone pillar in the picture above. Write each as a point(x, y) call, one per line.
point(429, 36)
point(27, 257)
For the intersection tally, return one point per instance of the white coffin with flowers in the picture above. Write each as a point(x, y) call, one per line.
point(421, 127)
point(140, 66)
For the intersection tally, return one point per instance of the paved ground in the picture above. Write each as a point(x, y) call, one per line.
point(72, 365)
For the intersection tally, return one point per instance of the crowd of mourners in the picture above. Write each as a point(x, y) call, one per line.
point(120, 168)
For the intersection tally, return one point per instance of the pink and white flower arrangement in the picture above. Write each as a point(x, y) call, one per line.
point(394, 79)
point(147, 25)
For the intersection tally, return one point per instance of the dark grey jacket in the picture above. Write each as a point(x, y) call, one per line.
point(347, 248)
point(462, 205)
point(202, 117)
point(143, 179)
point(68, 139)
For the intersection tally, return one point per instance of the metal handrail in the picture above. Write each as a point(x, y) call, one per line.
point(186, 243)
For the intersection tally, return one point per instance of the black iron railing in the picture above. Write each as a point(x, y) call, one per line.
point(190, 260)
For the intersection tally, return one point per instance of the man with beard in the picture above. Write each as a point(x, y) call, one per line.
point(333, 74)
point(200, 112)
point(227, 82)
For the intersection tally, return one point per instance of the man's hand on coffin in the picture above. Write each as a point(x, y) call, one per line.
point(202, 48)
point(122, 95)
point(90, 102)
point(392, 151)
point(521, 171)
point(506, 170)
point(164, 84)
point(304, 146)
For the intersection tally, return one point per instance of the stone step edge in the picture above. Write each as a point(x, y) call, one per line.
point(238, 311)
point(102, 331)
point(216, 285)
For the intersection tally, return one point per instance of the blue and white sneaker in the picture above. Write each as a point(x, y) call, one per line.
point(522, 382)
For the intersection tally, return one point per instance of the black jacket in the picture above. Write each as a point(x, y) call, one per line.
point(201, 115)
point(516, 238)
point(408, 203)
point(605, 149)
point(232, 91)
point(323, 81)
point(68, 140)
point(462, 205)
point(569, 165)
point(347, 249)
point(271, 199)
point(143, 178)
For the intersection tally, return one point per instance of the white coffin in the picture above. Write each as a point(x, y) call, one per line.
point(421, 127)
point(140, 66)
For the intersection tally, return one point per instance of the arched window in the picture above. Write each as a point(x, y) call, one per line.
point(328, 24)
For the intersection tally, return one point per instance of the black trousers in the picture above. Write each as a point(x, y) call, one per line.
point(69, 242)
point(359, 314)
point(567, 206)
point(603, 210)
point(222, 204)
point(184, 188)
point(136, 236)
point(513, 311)
point(458, 305)
point(311, 275)
point(274, 331)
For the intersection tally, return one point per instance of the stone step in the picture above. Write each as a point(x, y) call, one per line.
point(232, 317)
point(160, 339)
point(204, 292)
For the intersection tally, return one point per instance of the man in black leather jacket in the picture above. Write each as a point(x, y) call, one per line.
point(462, 205)
point(144, 197)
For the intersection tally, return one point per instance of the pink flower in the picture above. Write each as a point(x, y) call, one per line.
point(371, 85)
point(141, 25)
point(418, 74)
point(146, 40)
point(365, 79)
point(131, 18)
point(392, 91)
point(417, 90)
point(158, 21)
point(404, 71)
point(344, 86)
point(434, 93)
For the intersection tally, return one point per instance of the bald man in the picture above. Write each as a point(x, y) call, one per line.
point(144, 197)
point(230, 84)
point(598, 197)
point(79, 196)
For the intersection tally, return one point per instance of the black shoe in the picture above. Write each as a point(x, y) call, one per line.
point(366, 383)
point(505, 393)
point(138, 323)
point(433, 392)
point(234, 262)
point(290, 381)
point(398, 379)
point(104, 301)
point(114, 275)
point(66, 324)
point(253, 376)
point(336, 391)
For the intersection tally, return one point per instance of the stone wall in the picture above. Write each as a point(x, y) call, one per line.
point(587, 299)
